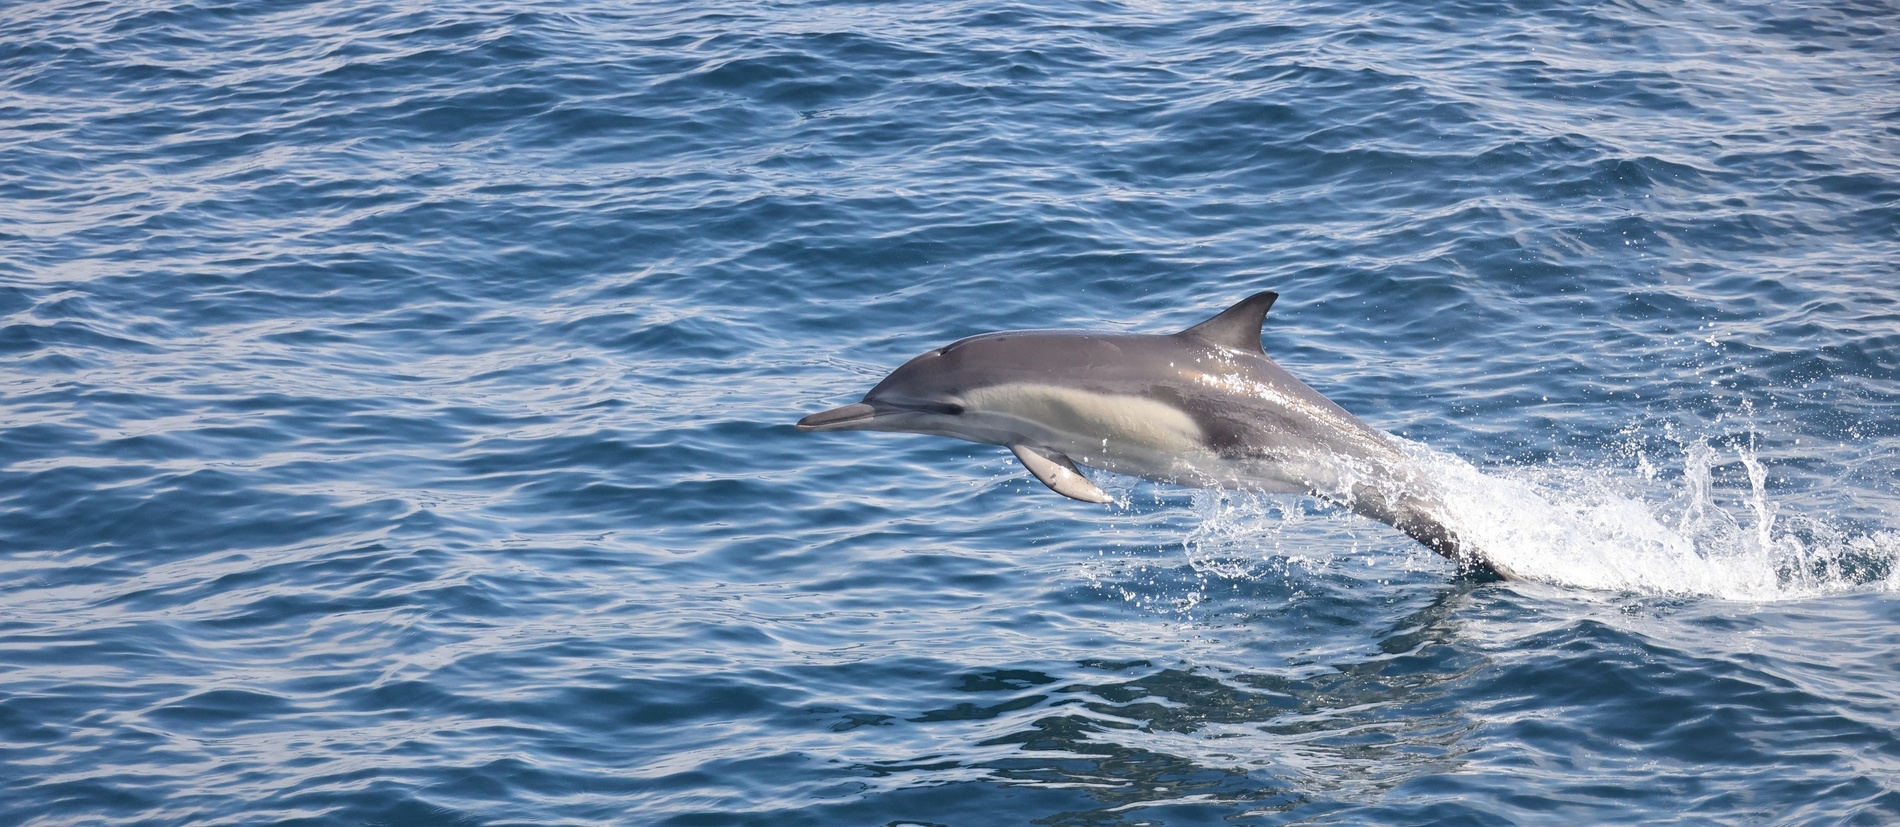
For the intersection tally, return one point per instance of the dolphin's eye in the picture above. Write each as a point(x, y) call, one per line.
point(945, 408)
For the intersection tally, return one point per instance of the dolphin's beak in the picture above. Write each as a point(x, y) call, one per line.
point(846, 418)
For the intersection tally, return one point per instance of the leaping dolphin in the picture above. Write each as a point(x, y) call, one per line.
point(1204, 407)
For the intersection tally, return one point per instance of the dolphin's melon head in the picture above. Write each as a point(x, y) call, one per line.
point(969, 388)
point(920, 394)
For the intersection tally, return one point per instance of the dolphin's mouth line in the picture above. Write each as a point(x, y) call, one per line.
point(840, 418)
point(837, 417)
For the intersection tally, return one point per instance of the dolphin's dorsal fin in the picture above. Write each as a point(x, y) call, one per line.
point(1239, 326)
point(1059, 473)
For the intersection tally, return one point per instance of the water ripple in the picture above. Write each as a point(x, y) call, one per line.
point(397, 403)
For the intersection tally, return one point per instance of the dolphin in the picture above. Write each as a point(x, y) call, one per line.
point(1204, 407)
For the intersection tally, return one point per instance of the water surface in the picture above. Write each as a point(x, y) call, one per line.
point(396, 403)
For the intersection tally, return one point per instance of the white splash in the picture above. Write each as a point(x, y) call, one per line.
point(1620, 529)
point(1608, 529)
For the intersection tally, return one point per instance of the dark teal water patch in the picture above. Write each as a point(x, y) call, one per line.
point(396, 403)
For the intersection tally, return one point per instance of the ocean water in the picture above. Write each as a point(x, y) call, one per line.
point(396, 409)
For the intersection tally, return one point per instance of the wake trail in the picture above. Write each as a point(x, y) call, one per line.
point(1594, 529)
point(1612, 529)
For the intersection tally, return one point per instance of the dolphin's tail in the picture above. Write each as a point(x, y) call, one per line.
point(1417, 516)
point(1421, 526)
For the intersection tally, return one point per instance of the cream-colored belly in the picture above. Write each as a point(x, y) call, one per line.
point(1126, 434)
point(1132, 421)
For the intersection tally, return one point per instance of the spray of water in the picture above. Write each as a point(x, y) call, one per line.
point(1605, 528)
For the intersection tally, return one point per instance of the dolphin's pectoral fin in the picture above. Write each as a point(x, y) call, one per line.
point(1060, 474)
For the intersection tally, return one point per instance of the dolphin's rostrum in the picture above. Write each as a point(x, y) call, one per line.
point(1204, 407)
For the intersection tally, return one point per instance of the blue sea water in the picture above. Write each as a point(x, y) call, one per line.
point(396, 404)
